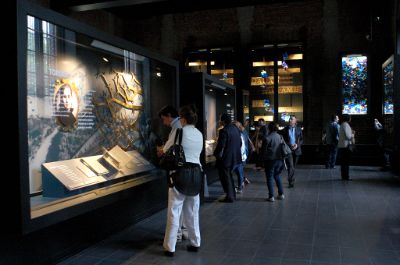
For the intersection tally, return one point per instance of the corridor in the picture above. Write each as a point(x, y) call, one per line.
point(322, 221)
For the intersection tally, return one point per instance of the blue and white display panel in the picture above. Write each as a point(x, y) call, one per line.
point(354, 84)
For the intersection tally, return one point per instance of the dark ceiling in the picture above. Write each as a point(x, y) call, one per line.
point(137, 9)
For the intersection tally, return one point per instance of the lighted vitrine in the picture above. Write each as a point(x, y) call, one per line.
point(290, 85)
point(88, 105)
point(262, 82)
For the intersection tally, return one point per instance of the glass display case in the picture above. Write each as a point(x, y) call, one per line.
point(354, 84)
point(212, 97)
point(276, 88)
point(387, 80)
point(290, 86)
point(215, 61)
point(88, 113)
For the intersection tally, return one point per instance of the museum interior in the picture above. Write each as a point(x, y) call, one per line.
point(86, 186)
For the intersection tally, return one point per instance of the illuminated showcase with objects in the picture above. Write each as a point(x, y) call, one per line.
point(91, 128)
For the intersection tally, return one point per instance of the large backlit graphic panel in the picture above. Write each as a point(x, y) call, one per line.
point(354, 84)
point(387, 75)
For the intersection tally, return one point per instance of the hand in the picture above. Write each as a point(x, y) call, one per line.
point(294, 147)
point(160, 151)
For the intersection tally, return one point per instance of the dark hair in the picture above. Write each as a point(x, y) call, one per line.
point(226, 118)
point(273, 127)
point(168, 110)
point(292, 116)
point(333, 117)
point(346, 118)
point(188, 112)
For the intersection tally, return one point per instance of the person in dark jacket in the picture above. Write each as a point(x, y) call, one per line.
point(293, 136)
point(273, 163)
point(228, 155)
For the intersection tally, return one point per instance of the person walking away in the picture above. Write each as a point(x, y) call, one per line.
point(273, 162)
point(293, 136)
point(346, 138)
point(178, 201)
point(332, 140)
point(244, 149)
point(228, 155)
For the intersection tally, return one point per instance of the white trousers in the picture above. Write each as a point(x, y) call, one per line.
point(189, 205)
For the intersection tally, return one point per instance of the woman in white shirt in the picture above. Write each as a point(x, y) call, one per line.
point(346, 137)
point(183, 198)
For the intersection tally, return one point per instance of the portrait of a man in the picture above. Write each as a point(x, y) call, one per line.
point(66, 105)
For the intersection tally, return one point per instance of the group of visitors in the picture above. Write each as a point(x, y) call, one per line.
point(233, 149)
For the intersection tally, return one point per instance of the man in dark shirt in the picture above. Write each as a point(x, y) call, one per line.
point(228, 155)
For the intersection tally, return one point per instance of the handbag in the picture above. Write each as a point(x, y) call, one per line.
point(188, 179)
point(175, 156)
point(285, 149)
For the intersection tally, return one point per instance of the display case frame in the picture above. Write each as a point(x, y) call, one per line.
point(75, 205)
point(194, 89)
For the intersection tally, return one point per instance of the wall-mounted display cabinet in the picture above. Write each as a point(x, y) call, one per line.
point(212, 97)
point(88, 104)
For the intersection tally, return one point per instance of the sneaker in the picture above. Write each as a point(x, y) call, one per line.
point(281, 197)
point(246, 181)
point(239, 190)
point(271, 199)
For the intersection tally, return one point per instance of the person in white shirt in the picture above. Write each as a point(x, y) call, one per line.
point(178, 200)
point(170, 118)
point(346, 138)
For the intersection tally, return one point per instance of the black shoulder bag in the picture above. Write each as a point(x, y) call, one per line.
point(174, 158)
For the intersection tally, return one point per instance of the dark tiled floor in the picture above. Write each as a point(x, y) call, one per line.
point(322, 221)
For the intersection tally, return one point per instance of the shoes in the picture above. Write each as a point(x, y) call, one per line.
point(271, 199)
point(281, 197)
point(332, 167)
point(168, 253)
point(179, 239)
point(246, 181)
point(239, 190)
point(226, 200)
point(191, 248)
point(291, 185)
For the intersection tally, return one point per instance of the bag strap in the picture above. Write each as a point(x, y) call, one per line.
point(178, 133)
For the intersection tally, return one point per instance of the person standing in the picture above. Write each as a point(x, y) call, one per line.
point(332, 140)
point(293, 136)
point(228, 155)
point(178, 199)
point(346, 138)
point(170, 118)
point(273, 162)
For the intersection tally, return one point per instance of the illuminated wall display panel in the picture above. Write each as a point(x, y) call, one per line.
point(387, 78)
point(91, 113)
point(354, 84)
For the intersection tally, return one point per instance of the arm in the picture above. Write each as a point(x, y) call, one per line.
point(170, 140)
point(222, 139)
